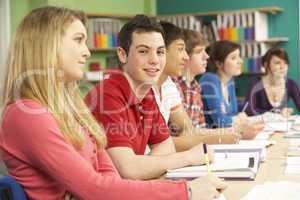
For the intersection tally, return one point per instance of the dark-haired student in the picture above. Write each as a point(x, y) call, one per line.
point(124, 103)
point(186, 125)
point(218, 90)
point(272, 91)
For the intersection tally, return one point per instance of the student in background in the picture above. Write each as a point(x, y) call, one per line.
point(218, 90)
point(49, 141)
point(124, 103)
point(186, 132)
point(272, 91)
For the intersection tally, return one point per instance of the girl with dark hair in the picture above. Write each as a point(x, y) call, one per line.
point(218, 90)
point(272, 91)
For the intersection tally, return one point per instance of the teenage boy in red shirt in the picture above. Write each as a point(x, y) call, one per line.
point(124, 103)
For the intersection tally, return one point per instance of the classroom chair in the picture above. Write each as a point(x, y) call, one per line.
point(10, 189)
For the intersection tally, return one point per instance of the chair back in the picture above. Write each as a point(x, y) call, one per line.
point(11, 189)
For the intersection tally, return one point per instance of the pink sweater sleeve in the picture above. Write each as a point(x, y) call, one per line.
point(37, 140)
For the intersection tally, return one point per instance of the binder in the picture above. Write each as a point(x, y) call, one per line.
point(228, 166)
point(215, 30)
point(260, 26)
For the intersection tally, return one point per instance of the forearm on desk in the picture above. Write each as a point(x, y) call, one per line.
point(145, 167)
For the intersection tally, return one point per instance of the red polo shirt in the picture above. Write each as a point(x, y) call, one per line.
point(128, 122)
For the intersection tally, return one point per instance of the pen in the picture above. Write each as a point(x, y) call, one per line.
point(206, 158)
point(245, 106)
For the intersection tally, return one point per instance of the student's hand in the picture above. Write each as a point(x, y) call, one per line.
point(242, 116)
point(196, 155)
point(249, 130)
point(286, 112)
point(206, 188)
point(239, 119)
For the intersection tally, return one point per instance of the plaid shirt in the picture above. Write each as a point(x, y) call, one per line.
point(191, 99)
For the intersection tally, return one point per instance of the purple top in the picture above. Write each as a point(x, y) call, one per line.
point(258, 100)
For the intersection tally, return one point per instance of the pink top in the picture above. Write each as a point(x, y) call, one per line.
point(46, 165)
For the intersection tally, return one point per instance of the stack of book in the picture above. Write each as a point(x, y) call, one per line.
point(237, 26)
point(275, 191)
point(293, 156)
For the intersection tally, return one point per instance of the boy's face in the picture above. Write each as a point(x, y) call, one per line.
point(198, 60)
point(146, 58)
point(176, 58)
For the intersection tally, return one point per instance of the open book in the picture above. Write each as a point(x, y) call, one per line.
point(226, 165)
point(274, 121)
point(244, 146)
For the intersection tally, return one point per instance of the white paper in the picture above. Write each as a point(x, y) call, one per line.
point(283, 190)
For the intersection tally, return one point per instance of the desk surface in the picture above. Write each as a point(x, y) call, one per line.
point(271, 170)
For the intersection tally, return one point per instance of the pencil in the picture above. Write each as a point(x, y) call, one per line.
point(245, 106)
point(206, 158)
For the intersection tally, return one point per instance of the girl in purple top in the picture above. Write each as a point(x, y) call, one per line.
point(272, 91)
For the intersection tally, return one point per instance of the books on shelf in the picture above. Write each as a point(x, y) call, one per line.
point(226, 165)
point(102, 33)
point(186, 21)
point(246, 26)
point(260, 26)
point(250, 28)
point(252, 53)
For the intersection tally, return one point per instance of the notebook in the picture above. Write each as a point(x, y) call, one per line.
point(244, 146)
point(226, 165)
point(263, 143)
point(274, 121)
point(279, 126)
point(292, 165)
point(292, 134)
point(264, 135)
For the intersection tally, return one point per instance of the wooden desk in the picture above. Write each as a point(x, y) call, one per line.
point(271, 170)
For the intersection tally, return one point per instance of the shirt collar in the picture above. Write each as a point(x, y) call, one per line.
point(127, 91)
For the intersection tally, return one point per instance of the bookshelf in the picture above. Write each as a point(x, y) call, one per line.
point(109, 15)
point(249, 27)
point(272, 10)
point(111, 49)
point(102, 42)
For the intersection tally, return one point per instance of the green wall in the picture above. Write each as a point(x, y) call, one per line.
point(283, 24)
point(108, 6)
point(131, 7)
point(20, 8)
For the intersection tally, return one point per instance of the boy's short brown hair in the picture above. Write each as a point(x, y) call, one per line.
point(192, 39)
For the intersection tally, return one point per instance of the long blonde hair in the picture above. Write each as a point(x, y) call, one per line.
point(33, 73)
